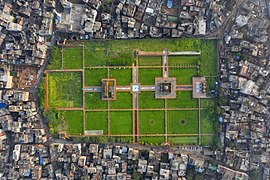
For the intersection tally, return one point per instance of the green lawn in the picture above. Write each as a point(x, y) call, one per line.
point(93, 77)
point(65, 89)
point(121, 122)
point(183, 76)
point(42, 93)
point(147, 76)
point(123, 101)
point(190, 126)
point(184, 100)
point(94, 101)
point(56, 58)
point(183, 60)
point(207, 103)
point(151, 122)
point(94, 55)
point(98, 52)
point(152, 140)
point(206, 140)
point(120, 52)
point(73, 58)
point(150, 61)
point(190, 140)
point(147, 101)
point(73, 122)
point(208, 58)
point(97, 121)
point(123, 76)
point(207, 122)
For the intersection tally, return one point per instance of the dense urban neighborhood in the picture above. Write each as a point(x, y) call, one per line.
point(204, 61)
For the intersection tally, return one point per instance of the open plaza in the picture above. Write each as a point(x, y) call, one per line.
point(150, 91)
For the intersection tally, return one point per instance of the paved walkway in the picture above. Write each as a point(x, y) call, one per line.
point(182, 53)
point(123, 88)
point(65, 70)
point(148, 88)
point(83, 90)
point(92, 89)
point(189, 66)
point(199, 117)
point(166, 121)
point(47, 91)
point(71, 109)
point(153, 109)
point(149, 135)
point(165, 64)
point(184, 88)
point(135, 75)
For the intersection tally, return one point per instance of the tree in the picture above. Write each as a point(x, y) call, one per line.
point(137, 176)
point(253, 174)
point(54, 119)
point(216, 144)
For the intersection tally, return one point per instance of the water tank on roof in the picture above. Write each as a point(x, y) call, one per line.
point(169, 3)
point(2, 105)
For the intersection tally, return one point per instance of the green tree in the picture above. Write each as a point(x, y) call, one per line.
point(216, 144)
point(54, 119)
point(253, 174)
point(137, 176)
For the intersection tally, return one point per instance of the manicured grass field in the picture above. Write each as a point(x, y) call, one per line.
point(183, 60)
point(190, 126)
point(42, 93)
point(147, 76)
point(93, 77)
point(121, 122)
point(65, 89)
point(73, 122)
point(206, 140)
point(207, 122)
point(208, 58)
point(73, 58)
point(56, 58)
point(183, 76)
point(184, 100)
point(188, 140)
point(147, 101)
point(123, 76)
point(151, 122)
point(97, 121)
point(152, 140)
point(150, 61)
point(124, 101)
point(207, 103)
point(120, 52)
point(94, 101)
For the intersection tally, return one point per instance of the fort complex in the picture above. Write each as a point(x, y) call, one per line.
point(142, 101)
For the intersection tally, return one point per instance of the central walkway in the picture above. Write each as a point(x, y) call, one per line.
point(135, 75)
